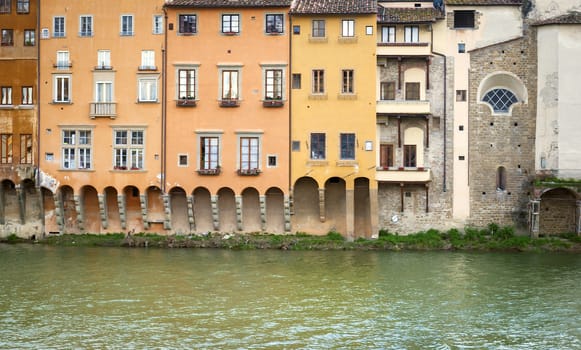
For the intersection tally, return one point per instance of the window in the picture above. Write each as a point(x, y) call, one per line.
point(460, 95)
point(29, 37)
point(385, 156)
point(318, 146)
point(295, 146)
point(147, 60)
point(296, 81)
point(273, 87)
point(103, 91)
point(187, 24)
point(62, 60)
point(348, 27)
point(61, 89)
point(58, 27)
point(461, 48)
point(500, 100)
point(230, 24)
point(318, 81)
point(209, 152)
point(411, 34)
point(347, 146)
point(22, 6)
point(187, 84)
point(501, 179)
point(7, 37)
point(26, 95)
point(148, 89)
point(6, 148)
point(274, 24)
point(157, 24)
point(230, 85)
point(296, 30)
point(5, 6)
point(249, 153)
point(388, 34)
point(368, 30)
point(128, 149)
point(25, 149)
point(347, 86)
point(76, 149)
point(318, 28)
point(103, 59)
point(387, 90)
point(409, 156)
point(6, 95)
point(464, 19)
point(126, 25)
point(271, 161)
point(86, 26)
point(182, 160)
point(412, 91)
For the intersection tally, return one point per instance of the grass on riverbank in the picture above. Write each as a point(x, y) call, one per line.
point(491, 238)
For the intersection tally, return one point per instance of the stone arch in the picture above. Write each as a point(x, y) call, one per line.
point(180, 222)
point(307, 216)
point(251, 220)
point(335, 205)
point(505, 86)
point(227, 210)
point(69, 210)
point(413, 150)
point(203, 210)
point(50, 216)
point(90, 212)
point(362, 208)
point(31, 201)
point(415, 75)
point(133, 217)
point(155, 208)
point(274, 210)
point(558, 211)
point(9, 201)
point(112, 212)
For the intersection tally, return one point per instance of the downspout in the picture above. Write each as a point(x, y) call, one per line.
point(164, 104)
point(37, 35)
point(290, 108)
point(444, 189)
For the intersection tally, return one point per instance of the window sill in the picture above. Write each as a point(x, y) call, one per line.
point(81, 170)
point(103, 68)
point(147, 68)
point(403, 44)
point(318, 96)
point(274, 33)
point(121, 170)
point(229, 103)
point(6, 106)
point(318, 39)
point(186, 103)
point(346, 163)
point(62, 102)
point(347, 96)
point(147, 102)
point(187, 34)
point(272, 103)
point(230, 33)
point(316, 162)
point(347, 40)
point(215, 171)
point(248, 172)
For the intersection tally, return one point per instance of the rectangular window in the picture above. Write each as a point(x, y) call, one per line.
point(464, 19)
point(5, 6)
point(209, 152)
point(103, 91)
point(230, 85)
point(23, 6)
point(63, 60)
point(126, 25)
point(273, 84)
point(25, 149)
point(348, 28)
point(148, 89)
point(58, 27)
point(187, 84)
point(26, 95)
point(104, 59)
point(411, 34)
point(6, 95)
point(76, 149)
point(62, 89)
point(461, 48)
point(128, 149)
point(6, 146)
point(29, 37)
point(385, 156)
point(388, 34)
point(86, 26)
point(7, 37)
point(187, 24)
point(274, 24)
point(230, 24)
point(318, 81)
point(147, 60)
point(249, 153)
point(409, 156)
point(460, 95)
point(412, 91)
point(318, 146)
point(296, 81)
point(347, 86)
point(182, 160)
point(348, 146)
point(157, 24)
point(318, 28)
point(387, 90)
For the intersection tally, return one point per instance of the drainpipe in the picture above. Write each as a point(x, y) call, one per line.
point(444, 189)
point(36, 159)
point(290, 108)
point(164, 104)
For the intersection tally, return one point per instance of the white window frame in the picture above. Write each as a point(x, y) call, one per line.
point(272, 29)
point(56, 88)
point(6, 98)
point(411, 34)
point(76, 153)
point(157, 24)
point(147, 60)
point(266, 68)
point(128, 153)
point(104, 91)
point(63, 60)
point(125, 30)
point(246, 162)
point(192, 95)
point(222, 94)
point(210, 164)
point(348, 28)
point(145, 82)
point(104, 59)
point(388, 34)
point(83, 31)
point(27, 95)
point(57, 31)
point(232, 29)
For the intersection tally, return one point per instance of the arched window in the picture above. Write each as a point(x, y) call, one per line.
point(501, 178)
point(500, 100)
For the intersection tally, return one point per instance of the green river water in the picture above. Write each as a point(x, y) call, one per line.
point(120, 298)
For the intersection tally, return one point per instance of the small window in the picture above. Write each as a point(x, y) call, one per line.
point(318, 28)
point(348, 28)
point(5, 6)
point(29, 37)
point(26, 95)
point(147, 60)
point(7, 37)
point(385, 156)
point(103, 59)
point(272, 161)
point(347, 146)
point(318, 81)
point(22, 6)
point(318, 146)
point(274, 23)
point(460, 95)
point(86, 26)
point(126, 25)
point(63, 61)
point(296, 81)
point(368, 30)
point(58, 28)
point(62, 89)
point(347, 86)
point(6, 98)
point(500, 100)
point(501, 179)
point(409, 156)
point(387, 91)
point(464, 19)
point(388, 34)
point(147, 89)
point(296, 30)
point(411, 34)
point(182, 160)
point(157, 24)
point(296, 146)
point(412, 91)
point(231, 24)
point(187, 24)
point(461, 48)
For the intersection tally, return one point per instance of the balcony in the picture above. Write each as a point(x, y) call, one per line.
point(103, 110)
point(403, 175)
point(403, 49)
point(403, 107)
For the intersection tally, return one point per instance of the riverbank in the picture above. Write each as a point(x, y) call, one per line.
point(492, 238)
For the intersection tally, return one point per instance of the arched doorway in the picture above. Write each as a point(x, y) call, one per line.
point(50, 217)
point(274, 210)
point(558, 212)
point(10, 204)
point(306, 216)
point(179, 211)
point(362, 208)
point(112, 210)
point(134, 220)
point(69, 210)
point(335, 205)
point(227, 210)
point(203, 210)
point(251, 210)
point(155, 210)
point(90, 208)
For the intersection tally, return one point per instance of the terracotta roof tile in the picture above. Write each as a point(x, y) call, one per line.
point(569, 18)
point(228, 3)
point(484, 2)
point(408, 15)
point(334, 7)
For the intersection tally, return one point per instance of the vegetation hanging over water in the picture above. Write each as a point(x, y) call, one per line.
point(491, 238)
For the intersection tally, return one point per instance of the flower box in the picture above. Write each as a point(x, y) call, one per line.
point(229, 103)
point(214, 171)
point(248, 172)
point(186, 102)
point(272, 103)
